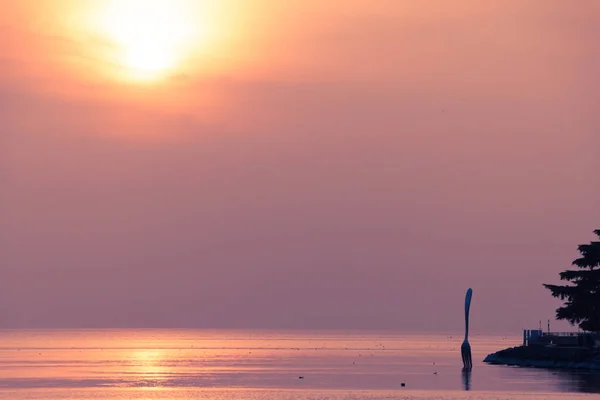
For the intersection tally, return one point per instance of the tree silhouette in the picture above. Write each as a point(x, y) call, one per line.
point(582, 299)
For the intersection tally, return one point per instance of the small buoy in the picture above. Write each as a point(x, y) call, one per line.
point(403, 384)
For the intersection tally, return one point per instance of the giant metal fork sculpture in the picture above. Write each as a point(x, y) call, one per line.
point(465, 348)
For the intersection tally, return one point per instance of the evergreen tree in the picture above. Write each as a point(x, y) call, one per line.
point(582, 298)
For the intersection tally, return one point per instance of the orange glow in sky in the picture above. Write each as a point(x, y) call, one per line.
point(301, 164)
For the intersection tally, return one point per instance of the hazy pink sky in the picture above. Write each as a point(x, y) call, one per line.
point(327, 164)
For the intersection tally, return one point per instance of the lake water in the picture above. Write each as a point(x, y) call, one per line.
point(260, 365)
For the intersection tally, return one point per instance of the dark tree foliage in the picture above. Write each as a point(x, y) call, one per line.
point(582, 298)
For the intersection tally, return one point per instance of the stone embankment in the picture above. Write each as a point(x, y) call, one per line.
point(547, 357)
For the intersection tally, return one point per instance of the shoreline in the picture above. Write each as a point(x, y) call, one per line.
point(567, 358)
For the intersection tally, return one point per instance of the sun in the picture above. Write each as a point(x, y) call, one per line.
point(150, 37)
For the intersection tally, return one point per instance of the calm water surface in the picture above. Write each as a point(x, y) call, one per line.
point(189, 364)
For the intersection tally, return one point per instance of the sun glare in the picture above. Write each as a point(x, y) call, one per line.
point(150, 37)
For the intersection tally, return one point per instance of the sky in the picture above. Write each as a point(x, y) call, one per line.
point(295, 165)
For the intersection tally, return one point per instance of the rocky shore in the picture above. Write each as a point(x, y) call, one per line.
point(575, 358)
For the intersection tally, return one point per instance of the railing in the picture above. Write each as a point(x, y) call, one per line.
point(537, 337)
point(565, 334)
